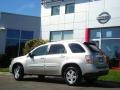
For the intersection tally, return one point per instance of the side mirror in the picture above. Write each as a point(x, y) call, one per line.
point(30, 55)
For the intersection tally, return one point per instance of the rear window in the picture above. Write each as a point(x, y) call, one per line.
point(76, 48)
point(92, 47)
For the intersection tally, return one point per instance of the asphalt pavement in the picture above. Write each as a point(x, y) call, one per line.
point(7, 82)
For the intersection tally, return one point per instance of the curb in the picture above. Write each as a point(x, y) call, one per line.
point(5, 73)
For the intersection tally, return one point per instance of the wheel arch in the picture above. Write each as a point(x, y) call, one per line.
point(15, 64)
point(70, 65)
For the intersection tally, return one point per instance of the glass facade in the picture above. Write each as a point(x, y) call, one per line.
point(15, 41)
point(109, 42)
point(61, 35)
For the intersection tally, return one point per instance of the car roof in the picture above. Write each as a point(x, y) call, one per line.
point(63, 42)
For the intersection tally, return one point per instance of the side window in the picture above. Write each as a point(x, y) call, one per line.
point(40, 51)
point(76, 48)
point(57, 49)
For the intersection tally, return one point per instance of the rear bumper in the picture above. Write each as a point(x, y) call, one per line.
point(99, 73)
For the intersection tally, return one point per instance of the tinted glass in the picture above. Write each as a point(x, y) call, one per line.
point(111, 32)
point(40, 51)
point(111, 47)
point(55, 10)
point(12, 42)
point(13, 33)
point(92, 47)
point(57, 49)
point(26, 34)
point(69, 8)
point(76, 48)
point(12, 46)
point(95, 33)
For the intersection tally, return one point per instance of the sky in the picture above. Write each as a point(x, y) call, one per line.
point(24, 7)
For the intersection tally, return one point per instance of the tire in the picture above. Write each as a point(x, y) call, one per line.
point(41, 77)
point(18, 72)
point(72, 76)
point(91, 79)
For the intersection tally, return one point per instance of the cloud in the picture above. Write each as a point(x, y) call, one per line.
point(26, 7)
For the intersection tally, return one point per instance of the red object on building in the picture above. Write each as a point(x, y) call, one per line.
point(87, 35)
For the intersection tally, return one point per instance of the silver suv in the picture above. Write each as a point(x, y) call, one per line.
point(70, 59)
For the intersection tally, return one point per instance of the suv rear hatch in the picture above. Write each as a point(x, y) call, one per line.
point(97, 56)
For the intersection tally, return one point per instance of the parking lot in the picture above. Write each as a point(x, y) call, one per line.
point(7, 82)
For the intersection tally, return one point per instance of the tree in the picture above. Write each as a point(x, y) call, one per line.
point(31, 44)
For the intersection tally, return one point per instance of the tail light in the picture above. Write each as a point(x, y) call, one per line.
point(89, 59)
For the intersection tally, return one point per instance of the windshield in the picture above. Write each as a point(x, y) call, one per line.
point(92, 47)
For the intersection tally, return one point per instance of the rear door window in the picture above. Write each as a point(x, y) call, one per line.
point(76, 48)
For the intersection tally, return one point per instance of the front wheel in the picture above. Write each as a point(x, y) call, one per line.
point(18, 72)
point(72, 76)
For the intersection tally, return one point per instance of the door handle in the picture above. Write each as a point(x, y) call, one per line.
point(42, 58)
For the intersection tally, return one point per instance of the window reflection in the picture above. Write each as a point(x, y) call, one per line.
point(12, 47)
point(13, 34)
point(61, 35)
point(111, 47)
point(26, 34)
point(15, 41)
point(55, 10)
point(95, 33)
point(69, 8)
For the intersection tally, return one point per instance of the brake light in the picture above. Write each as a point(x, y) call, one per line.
point(89, 59)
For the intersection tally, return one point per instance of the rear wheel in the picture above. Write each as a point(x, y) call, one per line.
point(18, 72)
point(72, 76)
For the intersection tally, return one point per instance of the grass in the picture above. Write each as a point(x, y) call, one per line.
point(114, 75)
point(4, 69)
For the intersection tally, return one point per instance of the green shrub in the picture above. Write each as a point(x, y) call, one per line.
point(31, 44)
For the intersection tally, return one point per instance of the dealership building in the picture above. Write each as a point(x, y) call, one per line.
point(84, 20)
point(15, 30)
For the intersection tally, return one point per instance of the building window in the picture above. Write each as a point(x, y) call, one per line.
point(61, 35)
point(69, 8)
point(55, 10)
point(15, 41)
point(13, 34)
point(26, 34)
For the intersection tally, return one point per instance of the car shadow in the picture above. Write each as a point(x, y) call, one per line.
point(102, 84)
point(48, 79)
point(59, 80)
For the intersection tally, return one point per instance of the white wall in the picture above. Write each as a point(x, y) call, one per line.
point(85, 16)
point(110, 6)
